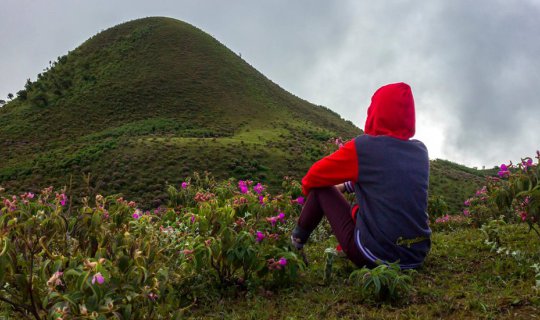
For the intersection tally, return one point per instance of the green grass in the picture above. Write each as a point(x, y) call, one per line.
point(461, 279)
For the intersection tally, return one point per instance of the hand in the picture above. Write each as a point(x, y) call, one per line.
point(341, 187)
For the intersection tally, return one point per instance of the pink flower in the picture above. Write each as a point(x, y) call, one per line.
point(137, 214)
point(185, 185)
point(274, 236)
point(481, 191)
point(192, 218)
point(523, 215)
point(187, 252)
point(281, 216)
point(300, 201)
point(526, 164)
point(467, 202)
point(30, 195)
point(466, 213)
point(283, 261)
point(243, 186)
point(504, 172)
point(132, 204)
point(259, 188)
point(260, 236)
point(272, 220)
point(98, 277)
point(55, 280)
point(11, 205)
point(62, 198)
point(443, 219)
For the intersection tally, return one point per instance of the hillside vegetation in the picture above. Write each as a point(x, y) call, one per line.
point(148, 102)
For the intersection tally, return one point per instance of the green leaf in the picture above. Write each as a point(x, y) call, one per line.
point(72, 272)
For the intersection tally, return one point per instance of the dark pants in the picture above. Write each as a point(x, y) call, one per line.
point(330, 202)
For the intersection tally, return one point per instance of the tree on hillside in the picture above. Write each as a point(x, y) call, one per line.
point(2, 102)
point(10, 96)
point(22, 94)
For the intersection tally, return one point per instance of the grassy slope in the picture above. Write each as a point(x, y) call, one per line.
point(461, 279)
point(455, 183)
point(149, 101)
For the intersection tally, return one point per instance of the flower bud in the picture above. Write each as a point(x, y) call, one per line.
point(89, 265)
point(83, 309)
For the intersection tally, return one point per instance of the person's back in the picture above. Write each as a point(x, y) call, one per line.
point(389, 174)
point(391, 192)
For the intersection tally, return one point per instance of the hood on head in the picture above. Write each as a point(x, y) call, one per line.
point(391, 112)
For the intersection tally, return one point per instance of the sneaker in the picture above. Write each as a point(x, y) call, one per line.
point(297, 243)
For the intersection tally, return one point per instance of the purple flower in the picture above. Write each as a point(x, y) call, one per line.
point(300, 200)
point(467, 202)
point(466, 213)
point(282, 261)
point(259, 188)
point(62, 198)
point(261, 200)
point(137, 214)
point(272, 220)
point(504, 172)
point(192, 218)
point(185, 185)
point(30, 195)
point(281, 216)
point(260, 236)
point(98, 277)
point(526, 164)
point(242, 185)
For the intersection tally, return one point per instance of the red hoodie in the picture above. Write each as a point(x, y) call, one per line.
point(391, 113)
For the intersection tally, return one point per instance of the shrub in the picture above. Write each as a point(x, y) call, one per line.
point(109, 258)
point(437, 207)
point(515, 195)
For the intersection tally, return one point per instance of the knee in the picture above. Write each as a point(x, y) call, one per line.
point(323, 190)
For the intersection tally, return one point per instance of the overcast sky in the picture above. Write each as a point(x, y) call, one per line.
point(474, 66)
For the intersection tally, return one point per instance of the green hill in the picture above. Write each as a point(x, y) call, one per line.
point(455, 183)
point(148, 102)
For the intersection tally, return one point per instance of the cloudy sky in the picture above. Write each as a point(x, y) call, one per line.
point(474, 66)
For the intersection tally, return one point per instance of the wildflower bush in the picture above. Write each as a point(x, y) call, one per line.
point(514, 195)
point(437, 206)
point(450, 222)
point(108, 258)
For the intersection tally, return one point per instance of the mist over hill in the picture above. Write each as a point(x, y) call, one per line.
point(147, 102)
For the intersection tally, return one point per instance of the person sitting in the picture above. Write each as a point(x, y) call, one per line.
point(388, 173)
